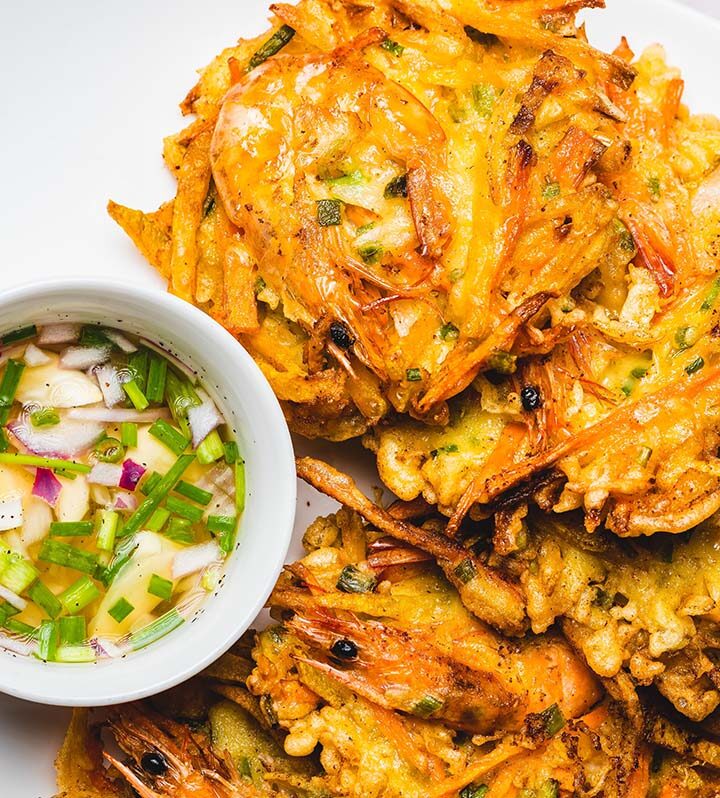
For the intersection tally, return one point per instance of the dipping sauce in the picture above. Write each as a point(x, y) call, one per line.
point(120, 493)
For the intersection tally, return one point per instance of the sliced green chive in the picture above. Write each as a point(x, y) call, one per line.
point(639, 372)
point(553, 720)
point(58, 553)
point(484, 99)
point(272, 46)
point(653, 185)
point(20, 628)
point(180, 397)
point(371, 253)
point(162, 588)
point(142, 515)
point(695, 365)
point(231, 452)
point(413, 375)
point(123, 554)
point(20, 335)
point(138, 363)
point(449, 332)
point(169, 436)
point(240, 486)
point(502, 362)
point(184, 509)
point(41, 595)
point(193, 493)
point(109, 450)
point(158, 519)
point(474, 791)
point(329, 212)
point(120, 610)
point(685, 337)
point(355, 178)
point(157, 376)
point(107, 527)
point(645, 455)
point(393, 47)
point(211, 449)
point(128, 434)
point(72, 629)
point(150, 482)
point(550, 788)
point(8, 387)
point(397, 188)
point(67, 529)
point(79, 595)
point(466, 571)
point(12, 458)
point(551, 190)
point(45, 417)
point(225, 528)
point(712, 296)
point(48, 639)
point(156, 630)
point(18, 575)
point(135, 395)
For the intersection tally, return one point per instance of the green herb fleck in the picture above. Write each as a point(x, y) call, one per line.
point(329, 212)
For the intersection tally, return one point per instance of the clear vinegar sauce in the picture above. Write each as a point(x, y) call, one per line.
point(120, 493)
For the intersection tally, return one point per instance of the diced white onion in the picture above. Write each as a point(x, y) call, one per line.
point(105, 474)
point(194, 559)
point(14, 353)
point(11, 513)
point(203, 419)
point(59, 333)
point(17, 646)
point(84, 357)
point(110, 385)
point(123, 343)
point(35, 357)
point(66, 439)
point(12, 598)
point(116, 415)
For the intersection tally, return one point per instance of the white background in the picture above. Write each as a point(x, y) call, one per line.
point(89, 90)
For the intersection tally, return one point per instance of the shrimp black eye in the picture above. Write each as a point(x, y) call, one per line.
point(530, 398)
point(340, 335)
point(154, 764)
point(344, 649)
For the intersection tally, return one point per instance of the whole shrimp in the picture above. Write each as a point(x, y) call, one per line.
point(405, 672)
point(167, 759)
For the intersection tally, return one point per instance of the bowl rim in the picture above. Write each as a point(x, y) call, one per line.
point(92, 685)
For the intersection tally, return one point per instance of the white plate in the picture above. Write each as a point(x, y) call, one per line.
point(89, 91)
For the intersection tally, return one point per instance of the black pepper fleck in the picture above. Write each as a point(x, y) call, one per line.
point(344, 649)
point(340, 335)
point(530, 398)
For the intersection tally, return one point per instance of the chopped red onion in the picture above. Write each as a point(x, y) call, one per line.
point(35, 357)
point(131, 474)
point(174, 360)
point(123, 343)
point(203, 419)
point(84, 357)
point(11, 513)
point(107, 648)
point(125, 501)
point(65, 440)
point(110, 385)
point(46, 486)
point(108, 474)
point(59, 334)
point(17, 646)
point(12, 598)
point(116, 415)
point(195, 558)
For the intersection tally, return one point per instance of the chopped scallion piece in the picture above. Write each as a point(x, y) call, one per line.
point(142, 515)
point(12, 458)
point(184, 509)
point(58, 553)
point(694, 366)
point(75, 654)
point(107, 529)
point(157, 376)
point(553, 720)
point(549, 789)
point(413, 375)
point(224, 527)
point(41, 595)
point(474, 791)
point(193, 493)
point(18, 575)
point(169, 436)
point(19, 335)
point(329, 212)
point(211, 449)
point(79, 595)
point(162, 588)
point(180, 530)
point(20, 628)
point(449, 332)
point(240, 486)
point(272, 46)
point(123, 553)
point(180, 396)
point(427, 706)
point(109, 450)
point(8, 387)
point(712, 296)
point(45, 417)
point(397, 188)
point(72, 629)
point(551, 190)
point(128, 434)
point(351, 179)
point(138, 365)
point(645, 455)
point(120, 610)
point(466, 571)
point(353, 580)
point(231, 452)
point(150, 482)
point(68, 529)
point(156, 630)
point(484, 99)
point(158, 519)
point(371, 253)
point(48, 639)
point(135, 395)
point(393, 47)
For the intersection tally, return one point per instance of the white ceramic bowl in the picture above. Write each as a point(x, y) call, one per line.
point(252, 411)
